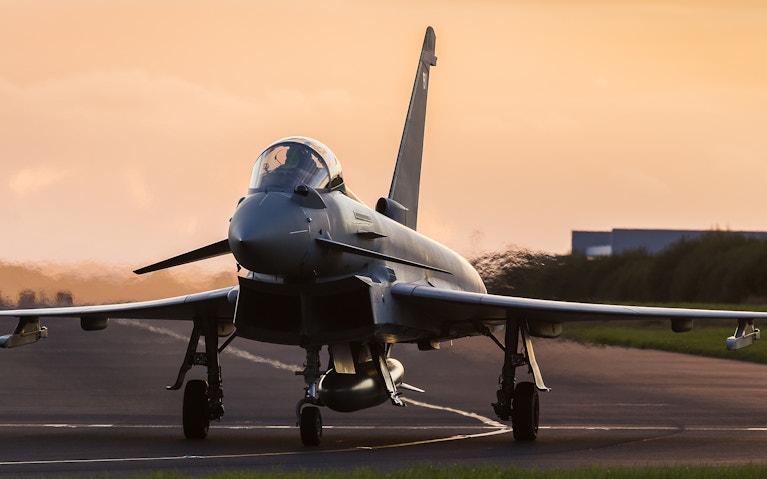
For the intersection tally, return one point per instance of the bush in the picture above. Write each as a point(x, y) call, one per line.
point(718, 267)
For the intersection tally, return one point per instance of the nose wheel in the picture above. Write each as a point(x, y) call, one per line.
point(308, 417)
point(310, 424)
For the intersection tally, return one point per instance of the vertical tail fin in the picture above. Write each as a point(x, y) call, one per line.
point(406, 182)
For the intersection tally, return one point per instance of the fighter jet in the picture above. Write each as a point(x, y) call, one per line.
point(320, 269)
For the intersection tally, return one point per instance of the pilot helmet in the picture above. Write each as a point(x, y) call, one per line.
point(297, 155)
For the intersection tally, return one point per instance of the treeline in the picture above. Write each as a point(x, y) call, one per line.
point(94, 283)
point(31, 299)
point(718, 267)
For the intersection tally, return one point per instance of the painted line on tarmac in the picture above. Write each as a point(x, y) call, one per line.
point(484, 420)
point(494, 431)
point(258, 427)
point(247, 456)
point(280, 365)
point(233, 427)
point(232, 351)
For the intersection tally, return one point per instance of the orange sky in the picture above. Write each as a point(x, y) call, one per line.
point(128, 128)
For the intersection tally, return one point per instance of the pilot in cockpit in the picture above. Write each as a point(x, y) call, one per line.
point(298, 166)
point(299, 157)
point(294, 161)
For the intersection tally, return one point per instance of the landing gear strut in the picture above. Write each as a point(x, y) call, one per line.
point(518, 401)
point(203, 400)
point(308, 417)
point(380, 353)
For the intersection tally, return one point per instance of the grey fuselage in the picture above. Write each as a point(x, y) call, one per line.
point(298, 290)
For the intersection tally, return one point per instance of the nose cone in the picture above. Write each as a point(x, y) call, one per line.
point(269, 233)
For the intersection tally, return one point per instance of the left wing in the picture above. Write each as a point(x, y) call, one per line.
point(217, 304)
point(548, 315)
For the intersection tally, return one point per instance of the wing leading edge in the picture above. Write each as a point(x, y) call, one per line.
point(217, 304)
point(477, 306)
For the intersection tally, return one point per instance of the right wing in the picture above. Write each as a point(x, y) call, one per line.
point(217, 304)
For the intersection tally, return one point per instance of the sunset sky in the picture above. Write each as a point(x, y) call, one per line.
point(128, 128)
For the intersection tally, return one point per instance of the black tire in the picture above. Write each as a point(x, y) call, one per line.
point(196, 414)
point(311, 426)
point(524, 412)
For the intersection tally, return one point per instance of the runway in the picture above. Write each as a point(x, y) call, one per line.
point(83, 403)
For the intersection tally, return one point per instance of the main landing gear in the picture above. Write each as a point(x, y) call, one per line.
point(196, 413)
point(518, 401)
point(203, 400)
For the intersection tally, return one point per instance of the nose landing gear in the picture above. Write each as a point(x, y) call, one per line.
point(308, 416)
point(310, 424)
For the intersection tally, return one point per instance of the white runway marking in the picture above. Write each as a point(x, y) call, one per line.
point(485, 432)
point(252, 427)
point(245, 456)
point(230, 350)
point(494, 426)
point(485, 420)
point(280, 365)
point(488, 427)
point(492, 432)
point(232, 427)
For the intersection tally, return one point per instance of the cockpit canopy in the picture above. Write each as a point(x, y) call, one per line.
point(295, 161)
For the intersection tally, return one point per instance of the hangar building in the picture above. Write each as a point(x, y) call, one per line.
point(605, 243)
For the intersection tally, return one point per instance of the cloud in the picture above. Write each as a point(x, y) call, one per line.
point(137, 188)
point(188, 225)
point(136, 150)
point(32, 180)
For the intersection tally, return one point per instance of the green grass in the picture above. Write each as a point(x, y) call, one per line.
point(707, 338)
point(481, 472)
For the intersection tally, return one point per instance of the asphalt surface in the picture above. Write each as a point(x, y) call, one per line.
point(85, 403)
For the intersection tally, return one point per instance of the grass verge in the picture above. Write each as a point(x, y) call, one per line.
point(706, 338)
point(481, 472)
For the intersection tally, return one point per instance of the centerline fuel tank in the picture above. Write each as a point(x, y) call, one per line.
point(362, 390)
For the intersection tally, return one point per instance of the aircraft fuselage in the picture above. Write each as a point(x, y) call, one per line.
point(301, 289)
